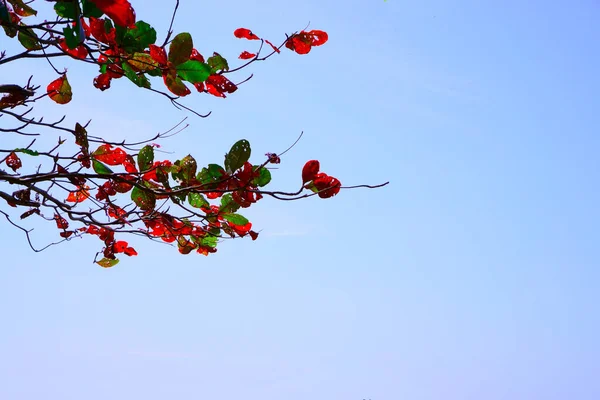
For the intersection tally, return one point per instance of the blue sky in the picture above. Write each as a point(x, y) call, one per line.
point(473, 275)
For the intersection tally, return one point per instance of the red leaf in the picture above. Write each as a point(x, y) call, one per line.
point(130, 251)
point(106, 154)
point(66, 234)
point(78, 52)
point(273, 46)
point(61, 223)
point(59, 90)
point(310, 171)
point(119, 11)
point(253, 235)
point(102, 81)
point(328, 186)
point(158, 54)
point(13, 161)
point(196, 56)
point(218, 85)
point(318, 37)
point(79, 195)
point(246, 56)
point(243, 33)
point(98, 30)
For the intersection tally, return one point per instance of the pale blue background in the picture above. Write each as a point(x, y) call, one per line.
point(474, 275)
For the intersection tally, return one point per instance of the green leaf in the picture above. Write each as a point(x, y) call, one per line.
point(137, 39)
point(236, 219)
point(29, 39)
point(228, 205)
point(211, 176)
point(193, 71)
point(143, 199)
point(4, 16)
point(264, 178)
point(139, 80)
point(27, 151)
point(145, 158)
point(209, 241)
point(107, 262)
point(71, 37)
point(217, 63)
point(100, 168)
point(181, 48)
point(197, 200)
point(188, 168)
point(237, 156)
point(90, 9)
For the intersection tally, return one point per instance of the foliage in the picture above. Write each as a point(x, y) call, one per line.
point(109, 189)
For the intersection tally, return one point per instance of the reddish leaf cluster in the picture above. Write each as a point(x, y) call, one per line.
point(324, 185)
point(302, 42)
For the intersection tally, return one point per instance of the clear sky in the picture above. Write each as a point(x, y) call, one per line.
point(473, 275)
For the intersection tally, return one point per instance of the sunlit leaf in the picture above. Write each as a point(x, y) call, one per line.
point(59, 90)
point(193, 71)
point(101, 168)
point(107, 262)
point(264, 178)
point(197, 200)
point(236, 219)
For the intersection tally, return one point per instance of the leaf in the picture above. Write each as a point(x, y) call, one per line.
point(139, 80)
point(145, 158)
point(71, 37)
point(243, 33)
point(138, 37)
point(193, 71)
point(145, 200)
point(59, 90)
point(107, 262)
point(217, 63)
point(237, 156)
point(228, 205)
point(79, 195)
point(236, 219)
point(106, 154)
point(197, 200)
point(22, 9)
point(100, 168)
point(29, 39)
point(209, 241)
point(211, 176)
point(81, 136)
point(188, 167)
point(27, 151)
point(175, 84)
point(263, 179)
point(181, 48)
point(310, 170)
point(68, 10)
point(13, 161)
point(143, 62)
point(119, 11)
point(246, 55)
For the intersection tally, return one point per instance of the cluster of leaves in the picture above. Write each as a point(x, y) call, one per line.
point(107, 189)
point(106, 32)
